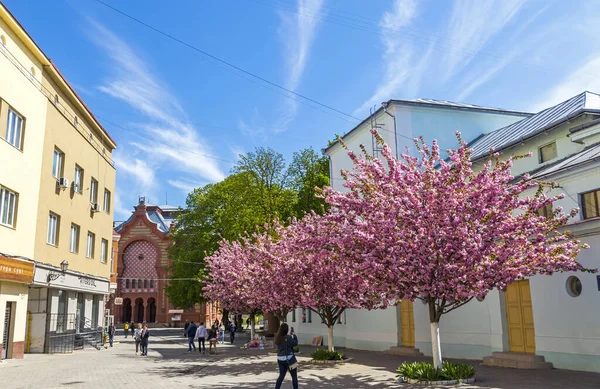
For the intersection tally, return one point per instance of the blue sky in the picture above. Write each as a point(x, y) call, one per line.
point(180, 119)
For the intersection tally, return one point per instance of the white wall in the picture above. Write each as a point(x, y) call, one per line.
point(411, 122)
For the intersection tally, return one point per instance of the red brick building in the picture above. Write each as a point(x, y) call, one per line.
point(143, 268)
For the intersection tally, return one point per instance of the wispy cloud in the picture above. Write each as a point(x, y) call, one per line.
point(297, 33)
point(472, 24)
point(185, 186)
point(398, 55)
point(585, 77)
point(132, 82)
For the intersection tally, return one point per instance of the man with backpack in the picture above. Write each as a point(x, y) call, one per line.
point(126, 329)
point(190, 332)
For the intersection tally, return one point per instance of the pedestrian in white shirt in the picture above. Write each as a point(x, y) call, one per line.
point(201, 335)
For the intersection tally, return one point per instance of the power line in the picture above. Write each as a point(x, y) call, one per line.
point(229, 64)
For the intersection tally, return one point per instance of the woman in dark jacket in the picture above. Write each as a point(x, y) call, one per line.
point(285, 355)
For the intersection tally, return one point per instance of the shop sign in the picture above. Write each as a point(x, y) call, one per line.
point(176, 318)
point(118, 300)
point(15, 270)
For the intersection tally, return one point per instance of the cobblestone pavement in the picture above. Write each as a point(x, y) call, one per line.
point(169, 365)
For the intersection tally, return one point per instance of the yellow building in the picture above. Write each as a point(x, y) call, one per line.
point(56, 198)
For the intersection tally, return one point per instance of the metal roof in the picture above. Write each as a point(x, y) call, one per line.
point(162, 223)
point(587, 155)
point(431, 103)
point(461, 106)
point(531, 126)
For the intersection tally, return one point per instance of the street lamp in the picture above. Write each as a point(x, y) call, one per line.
point(64, 265)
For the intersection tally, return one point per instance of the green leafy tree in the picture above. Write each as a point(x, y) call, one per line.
point(306, 172)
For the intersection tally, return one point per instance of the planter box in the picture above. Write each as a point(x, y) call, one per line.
point(402, 380)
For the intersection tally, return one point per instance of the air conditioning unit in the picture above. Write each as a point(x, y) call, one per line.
point(63, 183)
point(95, 207)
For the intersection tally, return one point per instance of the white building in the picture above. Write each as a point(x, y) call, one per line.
point(543, 321)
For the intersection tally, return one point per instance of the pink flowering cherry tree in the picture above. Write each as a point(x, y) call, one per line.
point(251, 275)
point(329, 277)
point(434, 229)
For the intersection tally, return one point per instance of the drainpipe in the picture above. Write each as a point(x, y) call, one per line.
point(385, 104)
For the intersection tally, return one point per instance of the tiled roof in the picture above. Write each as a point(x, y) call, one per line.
point(589, 154)
point(533, 125)
point(162, 223)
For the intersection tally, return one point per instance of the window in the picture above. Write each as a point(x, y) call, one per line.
point(145, 284)
point(151, 284)
point(106, 201)
point(94, 191)
point(8, 206)
point(546, 211)
point(53, 226)
point(133, 282)
point(303, 315)
point(309, 316)
point(293, 315)
point(89, 253)
point(103, 250)
point(14, 129)
point(589, 203)
point(140, 283)
point(548, 152)
point(57, 163)
point(78, 179)
point(74, 247)
point(95, 308)
point(127, 284)
point(574, 286)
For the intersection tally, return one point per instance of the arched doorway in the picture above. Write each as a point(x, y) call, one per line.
point(139, 309)
point(151, 310)
point(126, 310)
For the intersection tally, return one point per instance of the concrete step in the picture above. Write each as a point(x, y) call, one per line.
point(404, 351)
point(517, 360)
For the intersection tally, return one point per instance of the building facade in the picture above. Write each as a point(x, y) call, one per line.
point(143, 268)
point(540, 322)
point(59, 214)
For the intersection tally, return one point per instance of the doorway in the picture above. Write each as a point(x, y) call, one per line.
point(151, 310)
point(80, 312)
point(139, 308)
point(407, 323)
point(7, 334)
point(519, 317)
point(126, 310)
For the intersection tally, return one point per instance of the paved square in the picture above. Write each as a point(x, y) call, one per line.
point(169, 365)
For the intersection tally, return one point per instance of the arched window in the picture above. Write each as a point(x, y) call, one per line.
point(132, 284)
point(151, 284)
point(145, 284)
point(127, 284)
point(140, 283)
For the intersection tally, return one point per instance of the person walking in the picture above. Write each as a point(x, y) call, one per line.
point(232, 329)
point(137, 336)
point(126, 329)
point(111, 334)
point(187, 324)
point(222, 333)
point(247, 323)
point(144, 340)
point(190, 332)
point(201, 335)
point(285, 355)
point(132, 328)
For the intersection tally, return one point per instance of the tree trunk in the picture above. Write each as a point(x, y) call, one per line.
point(435, 345)
point(330, 338)
point(252, 326)
point(225, 318)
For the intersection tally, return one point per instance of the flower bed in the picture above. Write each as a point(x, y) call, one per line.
point(425, 374)
point(325, 356)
